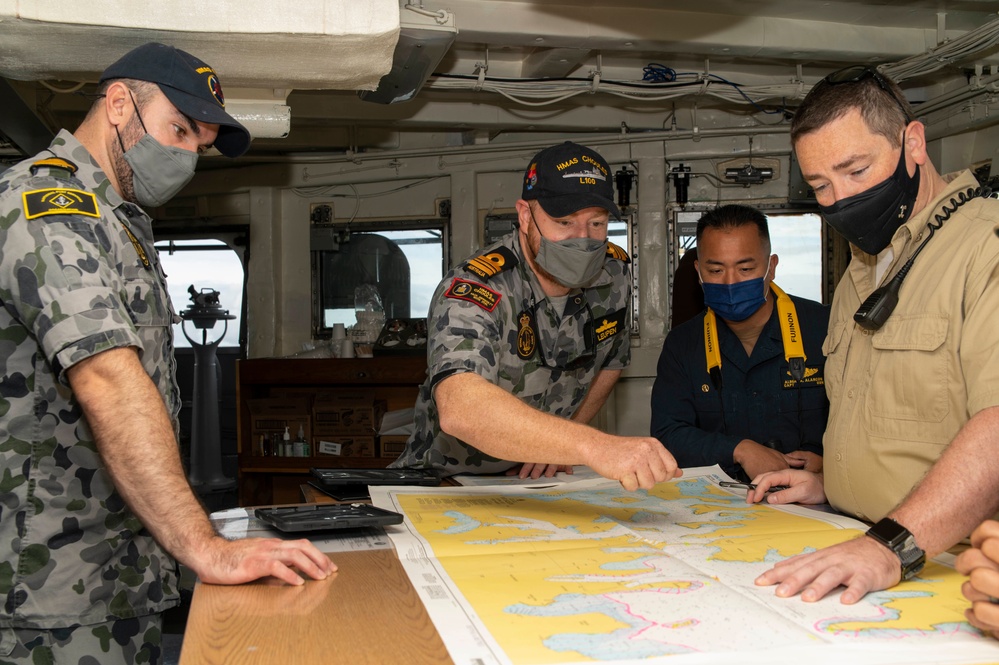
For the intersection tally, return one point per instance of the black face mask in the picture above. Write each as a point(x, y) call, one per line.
point(869, 219)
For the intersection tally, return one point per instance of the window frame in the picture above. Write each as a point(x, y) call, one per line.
point(677, 229)
point(234, 236)
point(322, 234)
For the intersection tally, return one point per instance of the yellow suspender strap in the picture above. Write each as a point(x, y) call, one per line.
point(712, 352)
point(790, 331)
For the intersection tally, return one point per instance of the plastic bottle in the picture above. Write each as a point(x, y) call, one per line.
point(286, 443)
point(298, 449)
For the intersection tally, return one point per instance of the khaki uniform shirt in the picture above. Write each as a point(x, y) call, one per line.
point(899, 395)
point(72, 285)
point(490, 316)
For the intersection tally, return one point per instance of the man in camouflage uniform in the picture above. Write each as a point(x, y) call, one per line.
point(528, 337)
point(93, 495)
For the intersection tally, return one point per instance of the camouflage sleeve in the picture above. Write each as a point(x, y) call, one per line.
point(56, 281)
point(620, 356)
point(464, 335)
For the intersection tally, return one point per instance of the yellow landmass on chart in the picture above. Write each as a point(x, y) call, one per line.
point(569, 574)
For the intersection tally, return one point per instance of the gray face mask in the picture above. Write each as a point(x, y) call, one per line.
point(574, 262)
point(159, 171)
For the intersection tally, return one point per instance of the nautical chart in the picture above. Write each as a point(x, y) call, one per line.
point(588, 572)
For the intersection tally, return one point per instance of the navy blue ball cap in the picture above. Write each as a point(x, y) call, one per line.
point(568, 177)
point(190, 84)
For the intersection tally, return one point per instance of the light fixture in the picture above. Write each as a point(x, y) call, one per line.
point(421, 46)
point(264, 112)
point(264, 120)
point(749, 174)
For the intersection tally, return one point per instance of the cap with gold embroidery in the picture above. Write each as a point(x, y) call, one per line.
point(567, 178)
point(190, 85)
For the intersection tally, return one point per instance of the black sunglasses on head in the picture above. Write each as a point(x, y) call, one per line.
point(858, 73)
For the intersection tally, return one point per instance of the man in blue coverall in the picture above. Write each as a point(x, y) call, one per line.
point(741, 384)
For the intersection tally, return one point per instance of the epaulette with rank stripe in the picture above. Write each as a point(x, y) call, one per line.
point(491, 263)
point(55, 163)
point(616, 252)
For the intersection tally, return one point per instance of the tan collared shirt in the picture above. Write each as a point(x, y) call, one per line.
point(899, 395)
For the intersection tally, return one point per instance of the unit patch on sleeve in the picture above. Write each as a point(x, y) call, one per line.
point(610, 324)
point(59, 201)
point(491, 264)
point(462, 289)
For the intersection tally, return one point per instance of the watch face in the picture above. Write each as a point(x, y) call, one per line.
point(898, 539)
point(889, 532)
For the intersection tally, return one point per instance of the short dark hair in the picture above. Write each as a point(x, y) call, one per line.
point(142, 91)
point(881, 103)
point(733, 216)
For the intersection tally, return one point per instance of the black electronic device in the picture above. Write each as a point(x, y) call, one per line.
point(342, 492)
point(878, 306)
point(326, 517)
point(899, 540)
point(341, 477)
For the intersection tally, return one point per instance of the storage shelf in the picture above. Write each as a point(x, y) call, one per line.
point(269, 480)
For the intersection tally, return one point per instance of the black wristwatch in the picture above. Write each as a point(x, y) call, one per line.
point(897, 538)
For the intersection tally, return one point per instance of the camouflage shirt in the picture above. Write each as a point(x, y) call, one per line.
point(78, 276)
point(490, 316)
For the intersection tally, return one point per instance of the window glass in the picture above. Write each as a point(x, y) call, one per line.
point(405, 265)
point(796, 239)
point(622, 232)
point(203, 264)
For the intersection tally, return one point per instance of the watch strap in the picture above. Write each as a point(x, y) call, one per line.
point(899, 540)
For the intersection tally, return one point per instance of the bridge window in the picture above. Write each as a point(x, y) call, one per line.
point(404, 261)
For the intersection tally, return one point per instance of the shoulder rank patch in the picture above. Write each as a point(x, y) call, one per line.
point(54, 163)
point(462, 289)
point(616, 252)
point(59, 201)
point(491, 264)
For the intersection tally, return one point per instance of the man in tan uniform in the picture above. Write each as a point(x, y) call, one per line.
point(913, 389)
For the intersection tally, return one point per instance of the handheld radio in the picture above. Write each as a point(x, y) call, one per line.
point(878, 306)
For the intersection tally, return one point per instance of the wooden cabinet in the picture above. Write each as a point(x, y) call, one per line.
point(269, 480)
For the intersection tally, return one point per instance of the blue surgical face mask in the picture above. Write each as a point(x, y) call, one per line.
point(738, 301)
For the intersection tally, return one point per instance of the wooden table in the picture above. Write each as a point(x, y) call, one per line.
point(366, 612)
